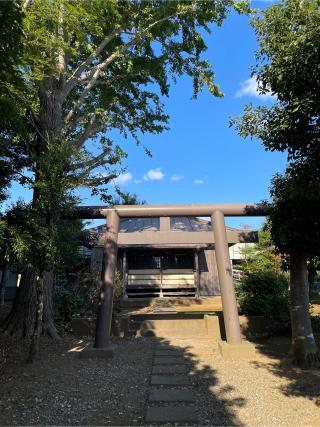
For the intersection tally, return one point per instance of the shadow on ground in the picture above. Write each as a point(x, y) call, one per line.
point(213, 405)
point(296, 382)
point(62, 389)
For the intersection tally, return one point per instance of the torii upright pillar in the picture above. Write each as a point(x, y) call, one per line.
point(104, 315)
point(234, 347)
point(229, 304)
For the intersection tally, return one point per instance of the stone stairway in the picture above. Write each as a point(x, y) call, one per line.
point(171, 399)
point(167, 325)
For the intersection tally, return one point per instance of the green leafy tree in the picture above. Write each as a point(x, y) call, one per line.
point(263, 290)
point(93, 67)
point(288, 66)
point(127, 198)
point(34, 243)
point(11, 117)
point(295, 230)
point(261, 256)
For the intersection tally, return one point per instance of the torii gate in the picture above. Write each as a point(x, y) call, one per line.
point(217, 212)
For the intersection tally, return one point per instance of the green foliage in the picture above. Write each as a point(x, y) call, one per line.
point(263, 290)
point(92, 67)
point(85, 71)
point(76, 292)
point(288, 64)
point(30, 240)
point(261, 256)
point(295, 211)
point(263, 293)
point(288, 61)
point(11, 33)
point(118, 288)
point(127, 198)
point(68, 303)
point(12, 121)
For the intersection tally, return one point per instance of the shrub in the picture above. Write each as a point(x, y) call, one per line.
point(118, 291)
point(75, 295)
point(79, 295)
point(67, 304)
point(263, 293)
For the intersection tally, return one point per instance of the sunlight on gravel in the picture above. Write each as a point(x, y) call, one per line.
point(62, 389)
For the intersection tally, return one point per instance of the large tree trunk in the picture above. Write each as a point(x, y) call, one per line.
point(21, 320)
point(48, 326)
point(312, 274)
point(35, 339)
point(304, 349)
point(4, 278)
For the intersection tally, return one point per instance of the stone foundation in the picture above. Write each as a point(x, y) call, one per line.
point(252, 327)
point(243, 350)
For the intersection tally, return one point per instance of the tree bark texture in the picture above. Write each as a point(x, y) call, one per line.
point(3, 283)
point(35, 339)
point(21, 320)
point(304, 349)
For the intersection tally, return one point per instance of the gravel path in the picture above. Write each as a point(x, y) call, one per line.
point(262, 392)
point(61, 389)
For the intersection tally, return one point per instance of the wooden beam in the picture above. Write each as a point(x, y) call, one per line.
point(125, 211)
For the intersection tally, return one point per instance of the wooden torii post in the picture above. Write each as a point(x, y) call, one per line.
point(217, 212)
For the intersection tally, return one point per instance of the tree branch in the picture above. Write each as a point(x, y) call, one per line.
point(61, 62)
point(26, 4)
point(72, 81)
point(96, 71)
point(92, 128)
point(92, 182)
point(93, 163)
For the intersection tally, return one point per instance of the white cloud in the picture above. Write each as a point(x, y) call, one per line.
point(198, 181)
point(176, 177)
point(154, 175)
point(137, 181)
point(250, 88)
point(123, 178)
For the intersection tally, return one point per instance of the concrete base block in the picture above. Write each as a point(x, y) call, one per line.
point(244, 350)
point(91, 352)
point(213, 326)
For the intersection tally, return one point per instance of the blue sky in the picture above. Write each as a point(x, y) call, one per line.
point(200, 159)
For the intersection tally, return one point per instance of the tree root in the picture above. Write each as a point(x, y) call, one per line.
point(20, 322)
point(311, 360)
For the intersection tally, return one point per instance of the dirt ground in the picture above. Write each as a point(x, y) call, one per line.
point(62, 389)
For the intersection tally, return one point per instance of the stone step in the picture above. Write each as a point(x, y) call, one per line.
point(179, 379)
point(174, 325)
point(171, 414)
point(183, 327)
point(167, 347)
point(169, 369)
point(171, 353)
point(173, 333)
point(169, 361)
point(169, 395)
